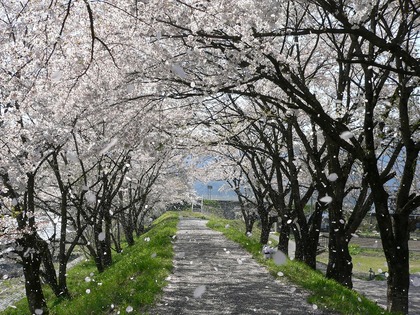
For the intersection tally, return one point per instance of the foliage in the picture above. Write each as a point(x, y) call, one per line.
point(354, 249)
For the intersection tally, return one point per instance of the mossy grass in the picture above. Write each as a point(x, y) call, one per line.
point(134, 280)
point(324, 293)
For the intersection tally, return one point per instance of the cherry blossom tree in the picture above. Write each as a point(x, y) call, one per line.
point(324, 56)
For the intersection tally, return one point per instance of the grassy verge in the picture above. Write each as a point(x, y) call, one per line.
point(324, 293)
point(366, 258)
point(131, 284)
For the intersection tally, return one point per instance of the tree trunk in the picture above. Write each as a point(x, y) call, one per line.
point(128, 229)
point(265, 229)
point(398, 267)
point(62, 257)
point(31, 253)
point(311, 250)
point(106, 244)
point(129, 237)
point(117, 243)
point(283, 245)
point(313, 236)
point(249, 222)
point(58, 286)
point(395, 247)
point(31, 270)
point(398, 283)
point(139, 229)
point(340, 266)
point(300, 245)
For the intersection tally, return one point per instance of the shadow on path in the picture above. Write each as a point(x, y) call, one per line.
point(213, 275)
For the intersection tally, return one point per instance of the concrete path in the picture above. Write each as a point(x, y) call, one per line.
point(213, 275)
point(376, 291)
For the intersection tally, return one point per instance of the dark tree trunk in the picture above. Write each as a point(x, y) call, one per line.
point(284, 237)
point(139, 229)
point(117, 243)
point(398, 267)
point(129, 237)
point(249, 218)
point(398, 283)
point(395, 247)
point(49, 273)
point(106, 244)
point(31, 253)
point(313, 238)
point(128, 228)
point(300, 245)
point(249, 222)
point(60, 287)
point(31, 261)
point(265, 229)
point(63, 257)
point(103, 257)
point(340, 266)
point(311, 250)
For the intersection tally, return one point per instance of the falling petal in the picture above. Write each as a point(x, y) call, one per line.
point(109, 146)
point(101, 236)
point(346, 135)
point(416, 281)
point(332, 177)
point(179, 71)
point(56, 75)
point(326, 199)
point(279, 258)
point(129, 309)
point(180, 255)
point(199, 291)
point(90, 197)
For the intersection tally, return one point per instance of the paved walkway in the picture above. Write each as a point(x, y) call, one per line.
point(213, 275)
point(376, 291)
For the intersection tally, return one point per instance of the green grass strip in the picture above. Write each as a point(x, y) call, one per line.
point(134, 280)
point(325, 293)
